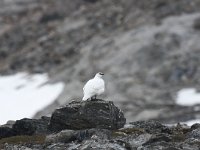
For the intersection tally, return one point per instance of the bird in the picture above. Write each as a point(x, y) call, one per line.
point(94, 87)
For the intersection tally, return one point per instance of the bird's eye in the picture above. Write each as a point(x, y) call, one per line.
point(101, 73)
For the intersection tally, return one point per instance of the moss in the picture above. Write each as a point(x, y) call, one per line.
point(127, 131)
point(23, 139)
point(118, 133)
point(178, 137)
point(179, 133)
point(133, 130)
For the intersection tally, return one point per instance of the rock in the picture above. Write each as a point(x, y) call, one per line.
point(64, 136)
point(6, 132)
point(159, 138)
point(135, 142)
point(31, 126)
point(195, 133)
point(197, 24)
point(50, 16)
point(87, 114)
point(95, 134)
point(151, 126)
point(8, 124)
point(195, 126)
point(134, 136)
point(91, 1)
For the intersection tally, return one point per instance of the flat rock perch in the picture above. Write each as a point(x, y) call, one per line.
point(87, 114)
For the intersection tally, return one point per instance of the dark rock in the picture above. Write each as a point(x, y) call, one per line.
point(31, 126)
point(86, 115)
point(133, 141)
point(66, 136)
point(6, 132)
point(95, 133)
point(151, 126)
point(8, 124)
point(133, 136)
point(91, 1)
point(195, 126)
point(197, 24)
point(51, 17)
point(195, 133)
point(158, 138)
point(63, 137)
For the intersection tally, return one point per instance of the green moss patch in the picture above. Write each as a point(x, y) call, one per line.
point(133, 130)
point(178, 137)
point(127, 131)
point(23, 139)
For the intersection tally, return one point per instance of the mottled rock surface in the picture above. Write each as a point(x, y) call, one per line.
point(26, 127)
point(6, 132)
point(31, 126)
point(134, 136)
point(87, 114)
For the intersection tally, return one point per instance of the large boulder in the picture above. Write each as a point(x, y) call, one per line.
point(6, 132)
point(31, 126)
point(87, 114)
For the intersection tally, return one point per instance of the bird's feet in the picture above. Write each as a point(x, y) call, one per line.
point(93, 98)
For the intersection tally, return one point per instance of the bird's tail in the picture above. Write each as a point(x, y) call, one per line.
point(85, 98)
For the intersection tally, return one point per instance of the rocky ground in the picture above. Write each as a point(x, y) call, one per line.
point(81, 126)
point(148, 49)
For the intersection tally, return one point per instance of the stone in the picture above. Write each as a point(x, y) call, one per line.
point(135, 135)
point(8, 124)
point(140, 140)
point(197, 24)
point(63, 136)
point(6, 132)
point(95, 134)
point(151, 126)
point(31, 126)
point(195, 133)
point(195, 126)
point(87, 114)
point(66, 136)
point(91, 1)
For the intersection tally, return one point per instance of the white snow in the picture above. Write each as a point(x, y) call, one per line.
point(191, 122)
point(188, 123)
point(188, 97)
point(22, 95)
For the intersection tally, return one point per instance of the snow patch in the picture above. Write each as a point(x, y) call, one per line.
point(23, 94)
point(191, 122)
point(188, 97)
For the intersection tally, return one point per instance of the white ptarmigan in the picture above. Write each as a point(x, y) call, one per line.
point(94, 87)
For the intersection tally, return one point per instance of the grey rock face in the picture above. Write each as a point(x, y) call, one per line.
point(86, 115)
point(150, 126)
point(8, 124)
point(134, 136)
point(6, 132)
point(66, 136)
point(195, 133)
point(31, 126)
point(63, 136)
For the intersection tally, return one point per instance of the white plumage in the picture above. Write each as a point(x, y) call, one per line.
point(94, 87)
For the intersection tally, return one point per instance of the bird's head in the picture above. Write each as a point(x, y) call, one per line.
point(99, 74)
